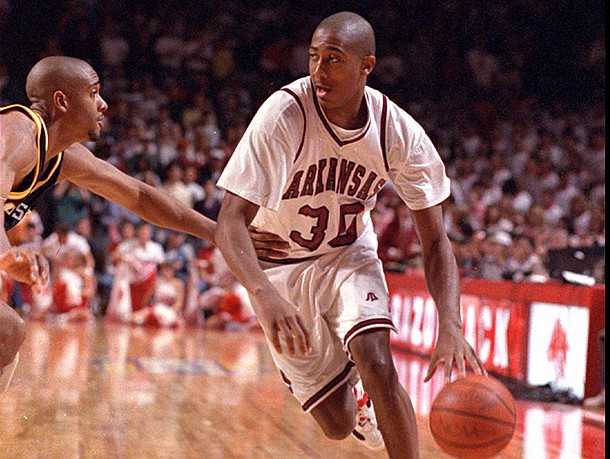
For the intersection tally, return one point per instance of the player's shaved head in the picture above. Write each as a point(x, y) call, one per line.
point(354, 29)
point(56, 73)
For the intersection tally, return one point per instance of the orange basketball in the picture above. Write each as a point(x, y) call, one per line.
point(473, 417)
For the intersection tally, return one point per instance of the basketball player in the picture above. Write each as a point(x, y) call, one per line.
point(39, 146)
point(308, 168)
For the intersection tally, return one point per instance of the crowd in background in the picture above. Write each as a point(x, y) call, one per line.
point(511, 93)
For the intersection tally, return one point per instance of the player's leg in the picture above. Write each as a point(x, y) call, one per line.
point(12, 335)
point(395, 415)
point(336, 414)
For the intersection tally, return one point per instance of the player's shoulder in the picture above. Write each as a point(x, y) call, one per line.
point(283, 106)
point(19, 130)
point(396, 115)
point(291, 94)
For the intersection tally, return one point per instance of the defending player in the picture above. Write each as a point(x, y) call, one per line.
point(39, 146)
point(308, 168)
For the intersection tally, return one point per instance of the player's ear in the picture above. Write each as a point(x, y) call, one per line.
point(368, 64)
point(60, 101)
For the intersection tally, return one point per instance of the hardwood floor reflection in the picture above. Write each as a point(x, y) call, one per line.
point(111, 391)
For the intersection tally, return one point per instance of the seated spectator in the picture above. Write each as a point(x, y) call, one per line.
point(552, 211)
point(398, 243)
point(210, 204)
point(136, 262)
point(225, 304)
point(494, 220)
point(494, 249)
point(71, 202)
point(73, 287)
point(175, 186)
point(520, 199)
point(180, 252)
point(70, 257)
point(524, 265)
point(167, 301)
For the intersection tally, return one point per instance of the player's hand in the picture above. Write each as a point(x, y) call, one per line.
point(268, 245)
point(453, 349)
point(286, 326)
point(26, 265)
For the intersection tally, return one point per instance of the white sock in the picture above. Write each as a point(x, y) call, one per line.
point(6, 374)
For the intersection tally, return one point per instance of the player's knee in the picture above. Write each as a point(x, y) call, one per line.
point(373, 356)
point(336, 416)
point(337, 429)
point(12, 336)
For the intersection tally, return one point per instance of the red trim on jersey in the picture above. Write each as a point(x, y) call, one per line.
point(328, 127)
point(384, 120)
point(328, 387)
point(367, 324)
point(304, 121)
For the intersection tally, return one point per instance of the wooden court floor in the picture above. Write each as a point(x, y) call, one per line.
point(98, 390)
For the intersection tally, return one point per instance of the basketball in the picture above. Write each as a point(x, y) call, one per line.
point(473, 417)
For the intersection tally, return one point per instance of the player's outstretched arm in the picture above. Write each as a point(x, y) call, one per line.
point(82, 168)
point(442, 280)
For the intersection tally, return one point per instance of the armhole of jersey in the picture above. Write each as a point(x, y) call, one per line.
point(41, 143)
point(300, 104)
point(382, 134)
point(50, 173)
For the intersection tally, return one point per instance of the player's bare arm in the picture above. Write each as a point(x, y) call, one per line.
point(233, 240)
point(82, 168)
point(443, 284)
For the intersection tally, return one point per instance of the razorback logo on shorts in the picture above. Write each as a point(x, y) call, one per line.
point(370, 296)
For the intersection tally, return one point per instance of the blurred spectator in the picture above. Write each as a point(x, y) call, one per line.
point(398, 243)
point(524, 265)
point(179, 252)
point(495, 252)
point(596, 156)
point(383, 212)
point(565, 191)
point(210, 204)
point(136, 261)
point(520, 199)
point(191, 180)
point(579, 214)
point(167, 301)
point(74, 287)
point(63, 239)
point(175, 186)
point(72, 273)
point(71, 203)
point(494, 220)
point(500, 172)
point(552, 212)
point(226, 304)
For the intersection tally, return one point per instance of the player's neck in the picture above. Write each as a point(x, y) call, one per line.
point(349, 116)
point(59, 139)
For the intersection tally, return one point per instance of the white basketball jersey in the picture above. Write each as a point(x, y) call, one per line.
point(316, 183)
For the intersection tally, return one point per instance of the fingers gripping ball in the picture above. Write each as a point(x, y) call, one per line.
point(473, 417)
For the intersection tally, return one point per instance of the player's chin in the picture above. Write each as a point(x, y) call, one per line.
point(94, 135)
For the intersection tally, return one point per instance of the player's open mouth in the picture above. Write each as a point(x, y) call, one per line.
point(322, 91)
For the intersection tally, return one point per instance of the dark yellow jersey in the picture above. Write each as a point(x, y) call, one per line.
point(40, 179)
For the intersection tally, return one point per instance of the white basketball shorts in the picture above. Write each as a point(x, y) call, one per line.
point(338, 295)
